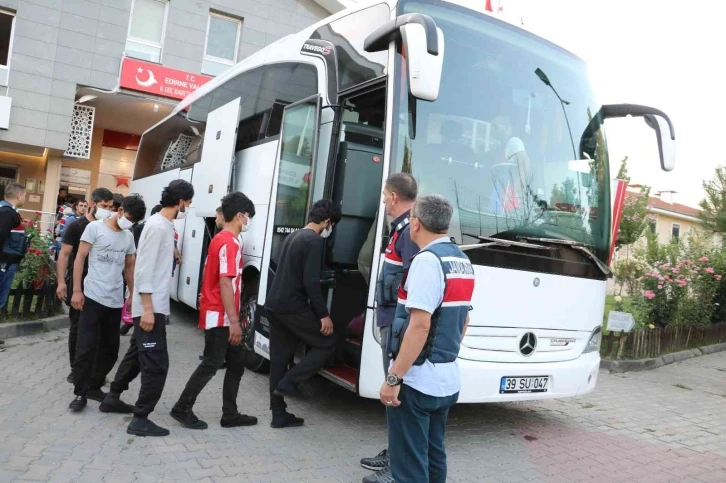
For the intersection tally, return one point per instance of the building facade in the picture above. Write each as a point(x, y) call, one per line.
point(81, 80)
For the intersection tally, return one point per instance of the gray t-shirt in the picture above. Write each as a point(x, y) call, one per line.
point(106, 260)
point(152, 274)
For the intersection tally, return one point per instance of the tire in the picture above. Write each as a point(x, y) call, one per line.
point(253, 361)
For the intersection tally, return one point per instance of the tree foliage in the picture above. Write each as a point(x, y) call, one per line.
point(635, 218)
point(713, 206)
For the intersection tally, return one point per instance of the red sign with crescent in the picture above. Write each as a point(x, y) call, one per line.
point(137, 75)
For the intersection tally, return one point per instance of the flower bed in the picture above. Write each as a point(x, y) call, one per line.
point(33, 293)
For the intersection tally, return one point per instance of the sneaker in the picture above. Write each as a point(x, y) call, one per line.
point(144, 427)
point(283, 419)
point(382, 476)
point(377, 463)
point(96, 395)
point(70, 378)
point(78, 403)
point(113, 404)
point(239, 420)
point(188, 419)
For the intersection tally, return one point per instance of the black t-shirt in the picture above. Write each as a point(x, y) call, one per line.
point(72, 237)
point(297, 278)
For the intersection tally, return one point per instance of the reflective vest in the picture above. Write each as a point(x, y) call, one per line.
point(391, 275)
point(448, 320)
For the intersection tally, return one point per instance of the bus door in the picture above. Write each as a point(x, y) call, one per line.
point(355, 185)
point(211, 180)
point(290, 197)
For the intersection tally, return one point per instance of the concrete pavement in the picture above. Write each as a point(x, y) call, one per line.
point(658, 426)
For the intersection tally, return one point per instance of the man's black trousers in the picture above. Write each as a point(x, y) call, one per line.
point(98, 340)
point(147, 355)
point(286, 330)
point(217, 349)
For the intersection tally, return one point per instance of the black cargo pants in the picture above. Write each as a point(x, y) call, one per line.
point(148, 356)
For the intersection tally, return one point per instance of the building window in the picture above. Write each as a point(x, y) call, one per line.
point(8, 174)
point(651, 226)
point(146, 30)
point(676, 230)
point(7, 23)
point(220, 51)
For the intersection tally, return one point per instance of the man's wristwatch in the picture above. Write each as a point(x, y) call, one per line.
point(393, 379)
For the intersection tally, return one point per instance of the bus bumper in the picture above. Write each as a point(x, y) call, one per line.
point(480, 381)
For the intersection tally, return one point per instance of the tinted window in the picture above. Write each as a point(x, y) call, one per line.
point(265, 91)
point(355, 65)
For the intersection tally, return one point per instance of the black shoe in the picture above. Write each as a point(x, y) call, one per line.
point(144, 427)
point(78, 403)
point(125, 328)
point(113, 404)
point(96, 395)
point(283, 419)
point(382, 476)
point(70, 378)
point(377, 463)
point(239, 420)
point(188, 419)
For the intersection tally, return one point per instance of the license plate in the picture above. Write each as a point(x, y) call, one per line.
point(515, 385)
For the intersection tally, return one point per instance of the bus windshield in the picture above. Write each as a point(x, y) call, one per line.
point(501, 140)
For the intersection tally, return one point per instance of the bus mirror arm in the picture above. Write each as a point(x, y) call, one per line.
point(422, 47)
point(390, 31)
point(654, 118)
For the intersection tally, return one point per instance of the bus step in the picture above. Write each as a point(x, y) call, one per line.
point(343, 375)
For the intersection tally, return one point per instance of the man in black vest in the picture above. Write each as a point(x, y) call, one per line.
point(399, 195)
point(12, 234)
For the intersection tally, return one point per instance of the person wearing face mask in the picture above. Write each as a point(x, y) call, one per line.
point(219, 318)
point(150, 309)
point(99, 209)
point(297, 310)
point(109, 247)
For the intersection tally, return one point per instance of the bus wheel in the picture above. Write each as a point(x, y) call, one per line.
point(253, 361)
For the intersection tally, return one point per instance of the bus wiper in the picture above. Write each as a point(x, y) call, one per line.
point(499, 242)
point(584, 248)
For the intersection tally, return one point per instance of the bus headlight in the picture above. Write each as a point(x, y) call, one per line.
point(594, 342)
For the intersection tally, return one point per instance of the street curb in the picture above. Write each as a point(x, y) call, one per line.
point(19, 329)
point(648, 364)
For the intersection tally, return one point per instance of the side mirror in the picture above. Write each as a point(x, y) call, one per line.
point(666, 141)
point(424, 69)
point(423, 48)
point(655, 118)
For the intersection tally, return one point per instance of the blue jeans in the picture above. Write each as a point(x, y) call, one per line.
point(6, 282)
point(416, 433)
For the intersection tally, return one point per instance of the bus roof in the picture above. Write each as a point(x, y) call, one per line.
point(277, 51)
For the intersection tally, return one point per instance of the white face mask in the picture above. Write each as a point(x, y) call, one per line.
point(326, 233)
point(246, 227)
point(124, 223)
point(102, 213)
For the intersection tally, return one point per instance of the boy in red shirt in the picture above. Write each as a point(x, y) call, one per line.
point(219, 318)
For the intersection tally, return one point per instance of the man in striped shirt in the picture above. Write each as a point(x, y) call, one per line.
point(219, 318)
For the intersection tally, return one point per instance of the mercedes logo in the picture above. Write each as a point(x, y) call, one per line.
point(527, 344)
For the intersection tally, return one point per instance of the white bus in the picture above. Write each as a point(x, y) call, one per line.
point(501, 122)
